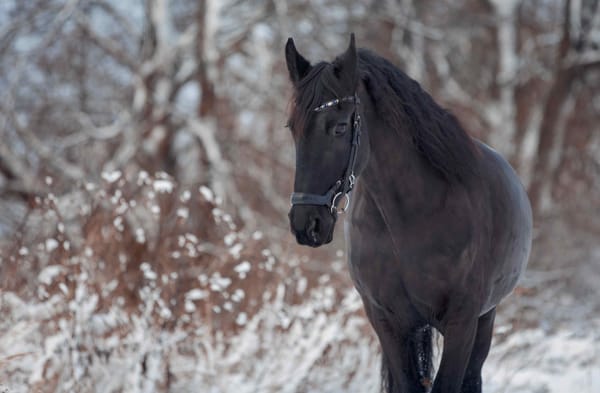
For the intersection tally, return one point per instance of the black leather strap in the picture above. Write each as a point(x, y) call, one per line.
point(303, 198)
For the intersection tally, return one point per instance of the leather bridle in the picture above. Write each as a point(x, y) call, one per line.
point(342, 187)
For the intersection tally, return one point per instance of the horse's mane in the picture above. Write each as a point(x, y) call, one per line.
point(403, 104)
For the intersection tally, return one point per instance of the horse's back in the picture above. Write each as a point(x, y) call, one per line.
point(509, 223)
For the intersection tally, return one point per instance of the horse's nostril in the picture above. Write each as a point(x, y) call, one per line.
point(313, 229)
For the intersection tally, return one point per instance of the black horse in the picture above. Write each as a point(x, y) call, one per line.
point(439, 228)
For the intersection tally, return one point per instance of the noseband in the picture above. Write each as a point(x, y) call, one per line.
point(340, 189)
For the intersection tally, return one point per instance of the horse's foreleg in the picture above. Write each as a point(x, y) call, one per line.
point(459, 337)
point(481, 348)
point(399, 372)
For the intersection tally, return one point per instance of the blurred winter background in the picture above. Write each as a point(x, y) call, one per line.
point(145, 173)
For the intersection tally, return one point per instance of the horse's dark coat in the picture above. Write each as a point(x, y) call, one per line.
point(439, 229)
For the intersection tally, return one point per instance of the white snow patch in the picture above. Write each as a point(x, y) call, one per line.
point(140, 235)
point(219, 283)
point(143, 178)
point(229, 238)
point(243, 268)
point(118, 223)
point(196, 294)
point(241, 319)
point(191, 238)
point(536, 361)
point(183, 212)
point(64, 289)
point(185, 196)
point(112, 176)
point(48, 273)
point(189, 306)
point(51, 244)
point(165, 313)
point(301, 286)
point(236, 249)
point(163, 186)
point(149, 274)
point(238, 295)
point(207, 193)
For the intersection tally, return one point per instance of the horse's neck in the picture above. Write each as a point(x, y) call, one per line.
point(397, 175)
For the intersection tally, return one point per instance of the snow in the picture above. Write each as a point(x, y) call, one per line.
point(111, 176)
point(238, 295)
point(185, 196)
point(183, 212)
point(140, 235)
point(143, 178)
point(118, 223)
point(189, 306)
point(149, 274)
point(47, 275)
point(236, 249)
point(51, 244)
point(537, 361)
point(319, 345)
point(163, 186)
point(63, 288)
point(243, 267)
point(229, 238)
point(196, 294)
point(219, 283)
point(207, 193)
point(241, 319)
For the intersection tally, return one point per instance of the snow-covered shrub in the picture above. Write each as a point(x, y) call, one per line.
point(138, 284)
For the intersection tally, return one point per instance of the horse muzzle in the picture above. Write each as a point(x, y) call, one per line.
point(312, 225)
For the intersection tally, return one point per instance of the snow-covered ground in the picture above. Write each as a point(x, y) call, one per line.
point(316, 346)
point(534, 361)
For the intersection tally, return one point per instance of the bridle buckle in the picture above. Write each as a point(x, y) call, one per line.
point(351, 180)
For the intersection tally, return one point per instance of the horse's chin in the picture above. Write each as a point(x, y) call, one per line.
point(319, 243)
point(314, 242)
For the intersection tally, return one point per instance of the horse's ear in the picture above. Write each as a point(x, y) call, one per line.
point(347, 64)
point(297, 65)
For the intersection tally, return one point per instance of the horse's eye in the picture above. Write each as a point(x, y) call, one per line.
point(340, 129)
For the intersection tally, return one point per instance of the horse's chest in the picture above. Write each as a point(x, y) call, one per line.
point(395, 277)
point(392, 280)
point(419, 262)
